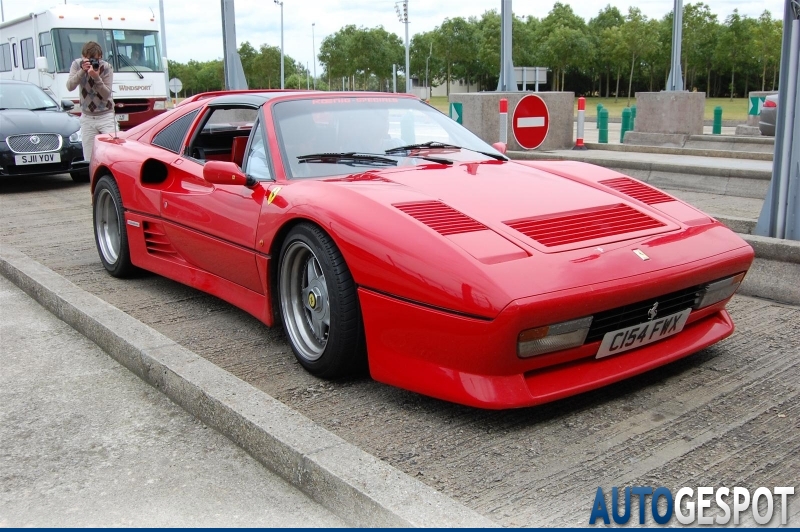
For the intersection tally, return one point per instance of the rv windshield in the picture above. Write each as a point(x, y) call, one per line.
point(126, 50)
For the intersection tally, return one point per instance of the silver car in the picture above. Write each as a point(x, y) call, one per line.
point(769, 116)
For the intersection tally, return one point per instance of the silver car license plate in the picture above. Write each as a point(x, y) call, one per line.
point(37, 158)
point(635, 336)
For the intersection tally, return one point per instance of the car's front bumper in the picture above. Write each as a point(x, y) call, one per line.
point(474, 361)
point(71, 154)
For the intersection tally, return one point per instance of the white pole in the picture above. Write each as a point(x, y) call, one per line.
point(281, 4)
point(408, 72)
point(314, 54)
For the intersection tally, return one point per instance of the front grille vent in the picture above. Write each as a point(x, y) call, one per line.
point(636, 313)
point(580, 226)
point(637, 190)
point(37, 143)
point(441, 218)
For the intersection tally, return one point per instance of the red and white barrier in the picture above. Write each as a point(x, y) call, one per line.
point(504, 120)
point(581, 117)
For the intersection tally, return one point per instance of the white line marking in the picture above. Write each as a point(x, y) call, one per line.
point(532, 121)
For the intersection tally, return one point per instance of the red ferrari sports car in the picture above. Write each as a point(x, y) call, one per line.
point(384, 235)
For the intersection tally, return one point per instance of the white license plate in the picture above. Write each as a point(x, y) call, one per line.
point(122, 118)
point(645, 333)
point(38, 158)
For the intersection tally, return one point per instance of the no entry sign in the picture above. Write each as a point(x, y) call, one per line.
point(531, 122)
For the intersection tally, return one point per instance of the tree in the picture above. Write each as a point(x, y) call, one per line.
point(456, 43)
point(734, 41)
point(700, 32)
point(637, 40)
point(767, 45)
point(608, 17)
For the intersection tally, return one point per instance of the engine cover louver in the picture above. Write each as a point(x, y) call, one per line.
point(580, 226)
point(441, 218)
point(637, 190)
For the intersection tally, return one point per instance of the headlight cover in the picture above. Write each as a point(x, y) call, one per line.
point(160, 105)
point(719, 290)
point(76, 137)
point(564, 335)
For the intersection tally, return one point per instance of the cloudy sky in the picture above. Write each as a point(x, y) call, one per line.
point(194, 28)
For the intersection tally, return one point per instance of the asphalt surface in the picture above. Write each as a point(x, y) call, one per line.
point(727, 416)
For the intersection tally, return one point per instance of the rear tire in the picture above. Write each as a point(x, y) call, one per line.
point(110, 234)
point(319, 304)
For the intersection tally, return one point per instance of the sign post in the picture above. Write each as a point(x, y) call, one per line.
point(175, 86)
point(530, 122)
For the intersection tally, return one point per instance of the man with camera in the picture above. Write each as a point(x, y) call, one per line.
point(95, 79)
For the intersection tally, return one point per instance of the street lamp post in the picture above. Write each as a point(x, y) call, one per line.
point(280, 3)
point(402, 16)
point(314, 54)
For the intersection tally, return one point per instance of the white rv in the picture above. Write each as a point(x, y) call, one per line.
point(40, 48)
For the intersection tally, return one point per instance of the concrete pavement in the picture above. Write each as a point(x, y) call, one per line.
point(83, 442)
point(350, 483)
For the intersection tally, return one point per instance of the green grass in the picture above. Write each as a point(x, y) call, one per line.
point(731, 110)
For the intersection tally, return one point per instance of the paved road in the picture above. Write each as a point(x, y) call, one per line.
point(84, 442)
point(726, 416)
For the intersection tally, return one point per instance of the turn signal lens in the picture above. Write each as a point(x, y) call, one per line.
point(769, 103)
point(564, 335)
point(719, 290)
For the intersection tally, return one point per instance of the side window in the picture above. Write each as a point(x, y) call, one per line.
point(171, 137)
point(46, 50)
point(256, 163)
point(221, 125)
point(5, 57)
point(28, 55)
point(14, 54)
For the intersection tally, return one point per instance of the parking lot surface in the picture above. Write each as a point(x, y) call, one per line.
point(727, 416)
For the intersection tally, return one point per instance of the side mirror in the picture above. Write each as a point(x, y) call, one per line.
point(226, 173)
point(41, 64)
point(500, 146)
point(67, 105)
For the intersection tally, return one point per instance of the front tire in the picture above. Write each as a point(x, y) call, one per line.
point(110, 235)
point(319, 304)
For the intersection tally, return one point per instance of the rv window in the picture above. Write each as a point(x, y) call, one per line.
point(46, 50)
point(5, 57)
point(28, 56)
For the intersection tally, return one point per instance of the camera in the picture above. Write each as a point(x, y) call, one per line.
point(95, 63)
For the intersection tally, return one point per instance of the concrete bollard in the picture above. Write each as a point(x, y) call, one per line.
point(717, 128)
point(504, 120)
point(626, 124)
point(597, 123)
point(602, 124)
point(581, 121)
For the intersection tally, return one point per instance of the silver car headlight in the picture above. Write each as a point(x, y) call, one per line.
point(159, 105)
point(76, 137)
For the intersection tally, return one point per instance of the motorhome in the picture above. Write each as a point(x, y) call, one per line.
point(41, 47)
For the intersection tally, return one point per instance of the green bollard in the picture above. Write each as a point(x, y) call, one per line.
point(626, 124)
point(717, 129)
point(597, 123)
point(633, 118)
point(602, 125)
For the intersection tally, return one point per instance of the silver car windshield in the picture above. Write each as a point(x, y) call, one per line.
point(347, 130)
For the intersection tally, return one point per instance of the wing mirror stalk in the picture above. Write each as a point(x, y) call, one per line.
point(227, 173)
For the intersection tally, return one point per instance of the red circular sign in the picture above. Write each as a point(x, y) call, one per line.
point(530, 122)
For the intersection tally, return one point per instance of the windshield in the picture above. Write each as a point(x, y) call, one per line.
point(126, 50)
point(368, 125)
point(25, 96)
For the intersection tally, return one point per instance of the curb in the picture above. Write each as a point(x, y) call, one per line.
point(351, 483)
point(728, 154)
point(646, 166)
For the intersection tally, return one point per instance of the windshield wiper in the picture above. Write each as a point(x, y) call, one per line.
point(123, 58)
point(434, 145)
point(349, 158)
